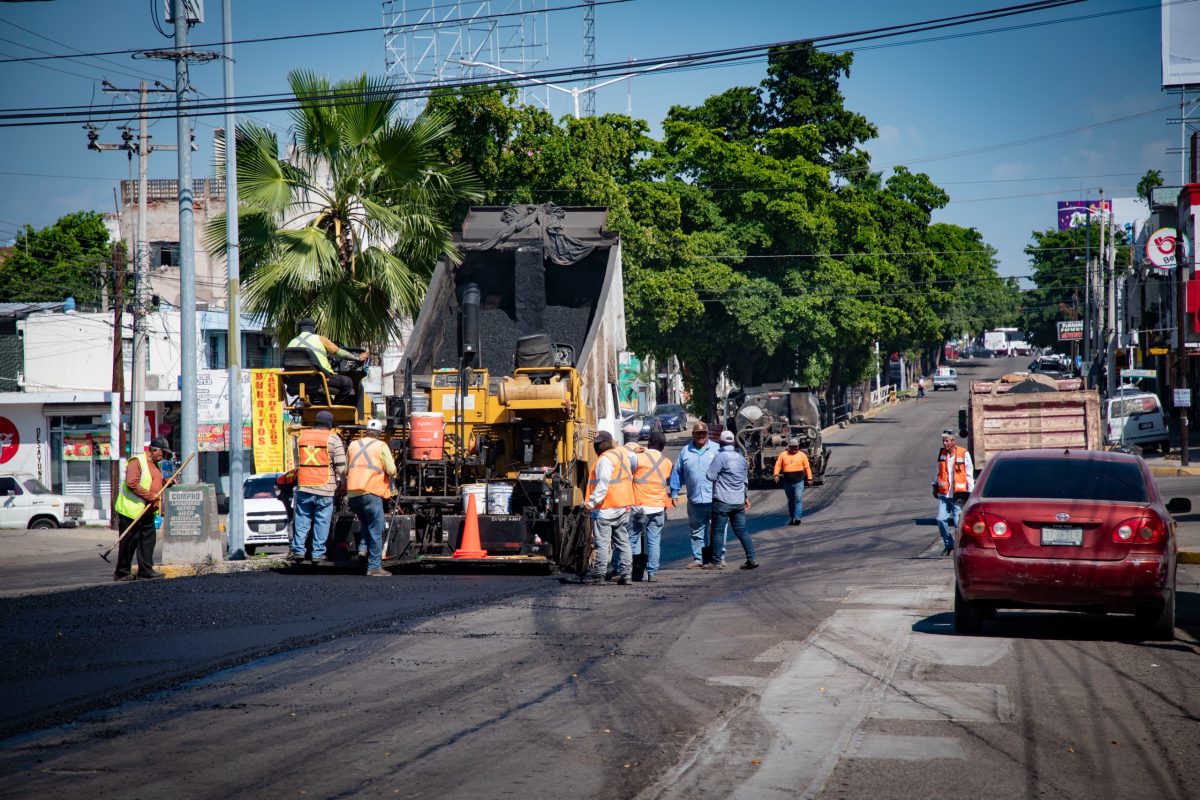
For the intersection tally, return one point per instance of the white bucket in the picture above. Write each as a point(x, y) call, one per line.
point(478, 492)
point(499, 498)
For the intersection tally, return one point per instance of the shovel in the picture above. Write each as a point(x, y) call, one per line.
point(641, 559)
point(149, 505)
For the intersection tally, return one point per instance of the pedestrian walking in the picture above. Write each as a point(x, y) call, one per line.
point(730, 478)
point(650, 477)
point(955, 482)
point(793, 469)
point(320, 467)
point(138, 500)
point(610, 497)
point(691, 471)
point(368, 483)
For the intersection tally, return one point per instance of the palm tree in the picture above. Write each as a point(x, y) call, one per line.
point(347, 228)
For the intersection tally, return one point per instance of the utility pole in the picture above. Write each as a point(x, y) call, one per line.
point(1110, 353)
point(589, 58)
point(1102, 311)
point(116, 444)
point(143, 149)
point(235, 526)
point(1087, 295)
point(187, 250)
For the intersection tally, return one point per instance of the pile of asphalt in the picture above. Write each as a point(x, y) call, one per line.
point(499, 332)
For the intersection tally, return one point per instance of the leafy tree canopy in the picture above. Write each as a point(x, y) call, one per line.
point(71, 258)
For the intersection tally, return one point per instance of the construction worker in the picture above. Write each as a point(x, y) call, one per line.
point(691, 471)
point(650, 478)
point(368, 483)
point(729, 474)
point(320, 466)
point(138, 500)
point(341, 386)
point(954, 484)
point(610, 497)
point(795, 470)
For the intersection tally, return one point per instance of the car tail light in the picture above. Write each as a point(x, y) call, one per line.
point(985, 526)
point(1148, 529)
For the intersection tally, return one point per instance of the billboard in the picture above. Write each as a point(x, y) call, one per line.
point(1070, 330)
point(1180, 44)
point(1074, 213)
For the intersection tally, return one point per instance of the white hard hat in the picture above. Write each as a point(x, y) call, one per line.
point(375, 425)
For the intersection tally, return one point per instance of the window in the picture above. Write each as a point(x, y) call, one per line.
point(261, 487)
point(9, 486)
point(1132, 406)
point(217, 352)
point(34, 486)
point(1066, 479)
point(164, 254)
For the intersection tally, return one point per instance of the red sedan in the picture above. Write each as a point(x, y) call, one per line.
point(1079, 530)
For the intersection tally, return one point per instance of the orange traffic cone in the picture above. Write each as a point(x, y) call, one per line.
point(469, 541)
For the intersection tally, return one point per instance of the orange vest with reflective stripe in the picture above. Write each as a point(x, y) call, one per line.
point(650, 479)
point(364, 468)
point(312, 462)
point(620, 486)
point(960, 471)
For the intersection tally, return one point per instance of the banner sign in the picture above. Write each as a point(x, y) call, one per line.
point(1070, 330)
point(1182, 398)
point(1180, 43)
point(1075, 213)
point(1161, 249)
point(212, 409)
point(266, 421)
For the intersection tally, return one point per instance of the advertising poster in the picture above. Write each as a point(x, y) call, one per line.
point(1075, 213)
point(266, 421)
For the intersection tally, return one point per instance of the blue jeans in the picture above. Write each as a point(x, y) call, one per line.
point(735, 516)
point(652, 525)
point(698, 517)
point(609, 535)
point(369, 510)
point(795, 498)
point(313, 512)
point(948, 510)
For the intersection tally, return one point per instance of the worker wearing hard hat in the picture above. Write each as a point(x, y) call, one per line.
point(368, 483)
point(320, 465)
point(795, 471)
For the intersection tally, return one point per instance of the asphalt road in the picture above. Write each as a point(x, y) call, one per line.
point(829, 672)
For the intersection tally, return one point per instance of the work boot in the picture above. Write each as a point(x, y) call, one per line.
point(378, 573)
point(611, 575)
point(750, 565)
point(124, 576)
point(622, 581)
point(695, 565)
point(148, 574)
point(948, 549)
point(650, 578)
point(294, 558)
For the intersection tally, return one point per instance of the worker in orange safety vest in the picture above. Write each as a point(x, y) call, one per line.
point(320, 465)
point(650, 478)
point(610, 500)
point(368, 484)
point(955, 482)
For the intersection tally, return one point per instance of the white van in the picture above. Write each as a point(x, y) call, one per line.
point(1132, 416)
point(25, 502)
point(268, 522)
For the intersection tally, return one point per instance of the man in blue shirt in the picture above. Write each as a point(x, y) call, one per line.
point(730, 477)
point(691, 470)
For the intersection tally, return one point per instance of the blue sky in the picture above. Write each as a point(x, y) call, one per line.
point(1007, 122)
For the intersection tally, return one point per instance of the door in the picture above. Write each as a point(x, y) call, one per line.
point(10, 496)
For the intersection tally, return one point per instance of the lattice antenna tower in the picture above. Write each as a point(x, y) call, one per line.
point(425, 42)
point(589, 57)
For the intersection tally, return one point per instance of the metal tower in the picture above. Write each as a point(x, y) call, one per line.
point(426, 43)
point(589, 57)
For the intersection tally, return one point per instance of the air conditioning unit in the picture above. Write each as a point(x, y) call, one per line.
point(155, 382)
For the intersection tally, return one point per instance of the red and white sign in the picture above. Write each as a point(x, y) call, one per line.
point(1160, 249)
point(10, 440)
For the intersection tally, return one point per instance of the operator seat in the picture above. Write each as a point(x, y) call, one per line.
point(303, 376)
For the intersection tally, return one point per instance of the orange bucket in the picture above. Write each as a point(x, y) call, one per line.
point(427, 431)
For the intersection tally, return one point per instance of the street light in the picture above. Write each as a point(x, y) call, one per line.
point(573, 92)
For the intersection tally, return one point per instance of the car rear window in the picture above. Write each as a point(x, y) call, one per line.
point(1066, 479)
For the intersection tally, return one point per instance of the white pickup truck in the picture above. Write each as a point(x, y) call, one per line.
point(26, 503)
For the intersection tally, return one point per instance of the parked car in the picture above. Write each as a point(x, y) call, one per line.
point(671, 416)
point(1133, 416)
point(1081, 530)
point(268, 520)
point(945, 378)
point(25, 502)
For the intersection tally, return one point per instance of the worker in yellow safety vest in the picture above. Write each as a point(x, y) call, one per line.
point(340, 386)
point(610, 499)
point(955, 482)
point(139, 492)
point(368, 483)
point(320, 466)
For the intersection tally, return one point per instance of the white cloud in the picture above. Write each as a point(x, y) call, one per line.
point(889, 136)
point(914, 135)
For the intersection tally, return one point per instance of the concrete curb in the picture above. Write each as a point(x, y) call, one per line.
point(1189, 557)
point(1174, 472)
point(220, 568)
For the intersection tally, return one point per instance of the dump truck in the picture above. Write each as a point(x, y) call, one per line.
point(766, 417)
point(1024, 411)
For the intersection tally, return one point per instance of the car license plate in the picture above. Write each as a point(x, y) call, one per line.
point(1145, 426)
point(266, 528)
point(1072, 537)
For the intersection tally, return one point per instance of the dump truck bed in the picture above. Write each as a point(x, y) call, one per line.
point(1023, 412)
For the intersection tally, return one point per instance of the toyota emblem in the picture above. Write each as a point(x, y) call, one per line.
point(1062, 516)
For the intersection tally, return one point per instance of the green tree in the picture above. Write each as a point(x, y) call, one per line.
point(348, 228)
point(1151, 180)
point(71, 258)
